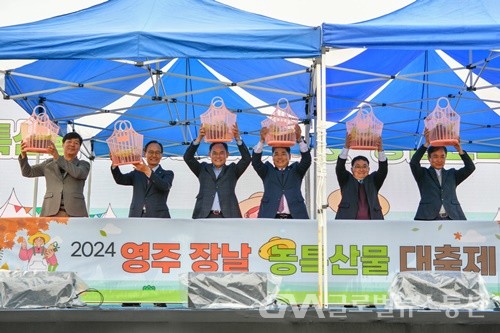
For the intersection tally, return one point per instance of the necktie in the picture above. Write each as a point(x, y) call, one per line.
point(149, 178)
point(440, 180)
point(363, 209)
point(281, 206)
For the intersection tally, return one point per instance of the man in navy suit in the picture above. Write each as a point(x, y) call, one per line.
point(216, 197)
point(437, 186)
point(282, 181)
point(360, 188)
point(151, 184)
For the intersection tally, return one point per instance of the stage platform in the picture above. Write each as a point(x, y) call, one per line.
point(174, 318)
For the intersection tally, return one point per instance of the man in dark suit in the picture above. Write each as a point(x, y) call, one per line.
point(151, 184)
point(216, 197)
point(64, 177)
point(437, 186)
point(282, 181)
point(360, 188)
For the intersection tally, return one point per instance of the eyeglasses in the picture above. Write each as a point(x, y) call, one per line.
point(361, 167)
point(154, 152)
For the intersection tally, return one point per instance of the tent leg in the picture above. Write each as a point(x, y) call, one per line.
point(89, 179)
point(320, 167)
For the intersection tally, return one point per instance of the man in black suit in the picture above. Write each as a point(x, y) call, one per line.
point(282, 181)
point(151, 184)
point(437, 186)
point(360, 188)
point(216, 197)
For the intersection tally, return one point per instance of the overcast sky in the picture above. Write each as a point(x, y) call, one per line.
point(309, 12)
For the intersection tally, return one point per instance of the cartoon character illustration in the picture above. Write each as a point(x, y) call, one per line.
point(39, 257)
point(266, 250)
point(336, 196)
point(4, 265)
point(250, 207)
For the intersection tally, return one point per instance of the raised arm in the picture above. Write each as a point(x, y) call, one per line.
point(257, 164)
point(305, 152)
point(246, 159)
point(468, 167)
point(416, 168)
point(189, 157)
point(340, 170)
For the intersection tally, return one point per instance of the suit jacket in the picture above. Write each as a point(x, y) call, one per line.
point(151, 194)
point(224, 185)
point(287, 182)
point(432, 194)
point(67, 186)
point(348, 207)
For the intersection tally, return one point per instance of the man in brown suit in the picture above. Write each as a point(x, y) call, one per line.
point(64, 177)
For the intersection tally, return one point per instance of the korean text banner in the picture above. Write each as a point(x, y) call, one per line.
point(146, 259)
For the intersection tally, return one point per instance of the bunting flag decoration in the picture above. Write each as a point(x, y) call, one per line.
point(12, 207)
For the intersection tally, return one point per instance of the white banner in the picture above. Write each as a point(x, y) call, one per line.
point(123, 256)
point(365, 256)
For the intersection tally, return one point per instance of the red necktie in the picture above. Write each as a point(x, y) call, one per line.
point(363, 209)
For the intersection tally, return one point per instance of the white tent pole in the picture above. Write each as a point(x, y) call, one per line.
point(89, 186)
point(89, 179)
point(320, 166)
point(96, 85)
point(310, 183)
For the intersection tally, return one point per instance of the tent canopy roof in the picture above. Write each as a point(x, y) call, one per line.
point(158, 64)
point(413, 57)
point(424, 24)
point(131, 29)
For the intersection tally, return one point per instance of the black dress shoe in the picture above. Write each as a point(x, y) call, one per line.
point(126, 305)
point(160, 305)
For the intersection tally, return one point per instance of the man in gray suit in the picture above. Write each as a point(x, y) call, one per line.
point(216, 197)
point(282, 181)
point(151, 184)
point(437, 186)
point(359, 187)
point(64, 177)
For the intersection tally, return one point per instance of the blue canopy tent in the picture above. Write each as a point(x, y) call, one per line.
point(159, 64)
point(411, 58)
point(163, 101)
